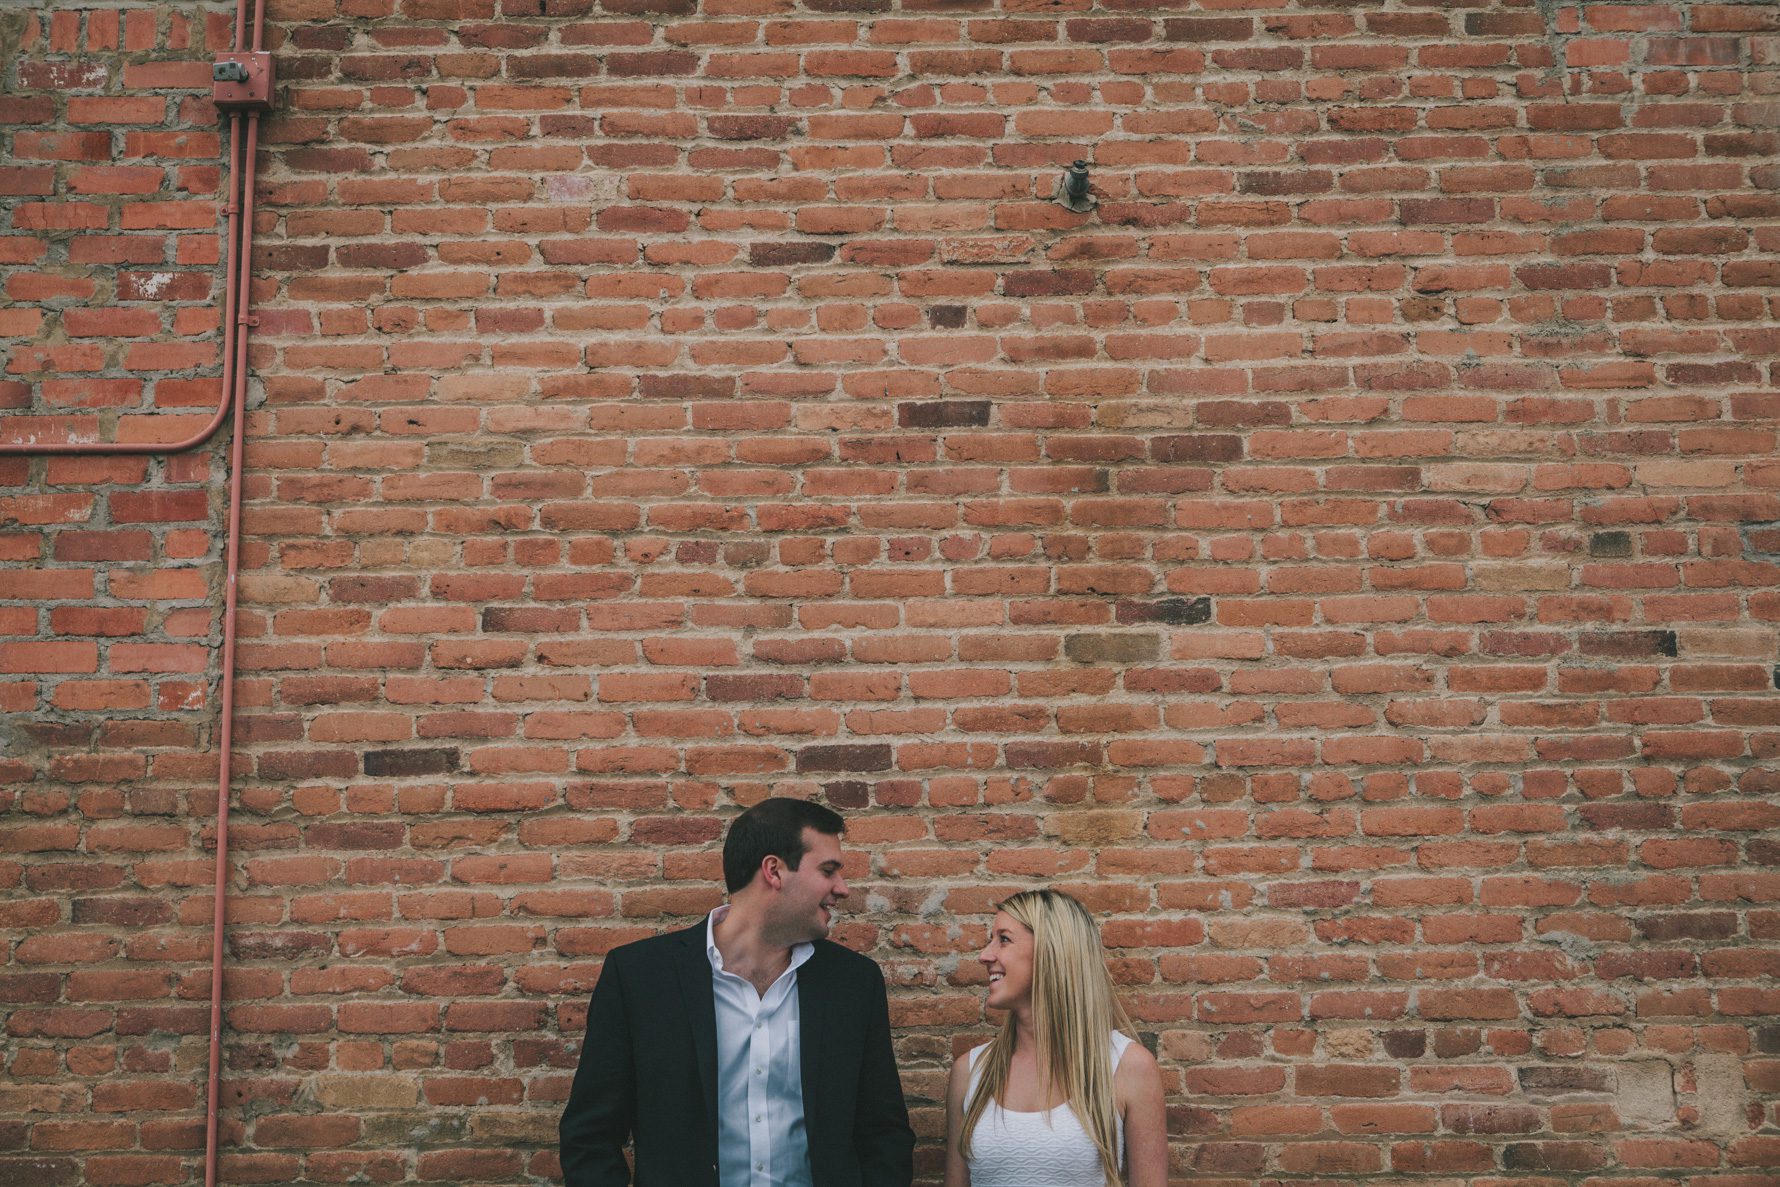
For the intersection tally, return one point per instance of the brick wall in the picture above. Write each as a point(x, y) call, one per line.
point(1347, 558)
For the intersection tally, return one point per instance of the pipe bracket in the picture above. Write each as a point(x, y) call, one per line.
point(243, 81)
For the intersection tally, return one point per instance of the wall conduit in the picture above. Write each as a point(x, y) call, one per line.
point(244, 132)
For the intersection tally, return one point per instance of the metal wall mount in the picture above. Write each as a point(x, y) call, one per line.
point(1072, 189)
point(243, 81)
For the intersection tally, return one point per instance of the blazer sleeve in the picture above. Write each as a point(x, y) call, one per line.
point(881, 1134)
point(602, 1103)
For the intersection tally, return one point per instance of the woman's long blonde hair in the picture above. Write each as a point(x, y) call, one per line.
point(1074, 1011)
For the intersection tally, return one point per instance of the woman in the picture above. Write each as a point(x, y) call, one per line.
point(1063, 1097)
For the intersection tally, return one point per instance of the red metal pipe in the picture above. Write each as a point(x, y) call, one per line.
point(241, 280)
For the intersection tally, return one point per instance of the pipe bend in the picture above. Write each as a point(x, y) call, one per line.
point(237, 248)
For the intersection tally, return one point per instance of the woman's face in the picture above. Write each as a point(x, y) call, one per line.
point(1008, 961)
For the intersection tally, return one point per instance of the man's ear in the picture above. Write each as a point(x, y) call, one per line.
point(772, 871)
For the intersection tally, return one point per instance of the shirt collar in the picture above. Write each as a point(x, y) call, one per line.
point(799, 952)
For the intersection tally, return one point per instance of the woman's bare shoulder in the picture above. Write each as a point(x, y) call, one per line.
point(1137, 1066)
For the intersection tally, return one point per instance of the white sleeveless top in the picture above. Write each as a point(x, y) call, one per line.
point(1049, 1149)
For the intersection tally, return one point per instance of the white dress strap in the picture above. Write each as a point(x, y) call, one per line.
point(1121, 1043)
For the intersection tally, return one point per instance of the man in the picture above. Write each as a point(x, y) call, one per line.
point(747, 1050)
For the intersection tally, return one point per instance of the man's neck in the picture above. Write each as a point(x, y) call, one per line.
point(747, 951)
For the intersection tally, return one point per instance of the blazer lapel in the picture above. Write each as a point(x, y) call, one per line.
point(812, 1021)
point(701, 1013)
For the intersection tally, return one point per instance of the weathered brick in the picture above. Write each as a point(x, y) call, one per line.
point(1111, 648)
point(436, 760)
point(1173, 611)
point(844, 758)
point(940, 414)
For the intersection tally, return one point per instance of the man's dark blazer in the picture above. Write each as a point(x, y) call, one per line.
point(649, 1072)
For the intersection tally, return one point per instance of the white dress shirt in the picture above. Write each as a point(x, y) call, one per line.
point(761, 1140)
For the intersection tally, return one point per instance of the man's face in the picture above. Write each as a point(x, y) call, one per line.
point(804, 907)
